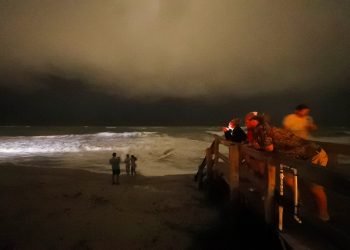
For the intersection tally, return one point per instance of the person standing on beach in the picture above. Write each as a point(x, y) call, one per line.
point(300, 123)
point(115, 163)
point(127, 164)
point(133, 160)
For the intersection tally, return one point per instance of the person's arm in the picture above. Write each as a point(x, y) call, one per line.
point(266, 139)
point(269, 148)
point(268, 144)
point(311, 125)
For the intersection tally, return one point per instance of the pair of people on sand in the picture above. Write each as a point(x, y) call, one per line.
point(130, 163)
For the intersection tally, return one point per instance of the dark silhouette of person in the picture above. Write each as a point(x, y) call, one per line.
point(127, 162)
point(233, 132)
point(133, 160)
point(115, 162)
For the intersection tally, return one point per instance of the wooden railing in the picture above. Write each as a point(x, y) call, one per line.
point(248, 172)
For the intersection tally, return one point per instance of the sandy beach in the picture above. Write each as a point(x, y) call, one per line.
point(43, 208)
point(73, 209)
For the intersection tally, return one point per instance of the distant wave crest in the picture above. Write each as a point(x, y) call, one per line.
point(103, 141)
point(125, 134)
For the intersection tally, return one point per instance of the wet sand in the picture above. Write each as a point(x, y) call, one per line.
point(42, 208)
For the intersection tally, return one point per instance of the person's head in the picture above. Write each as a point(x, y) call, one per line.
point(249, 120)
point(127, 155)
point(302, 110)
point(114, 154)
point(233, 123)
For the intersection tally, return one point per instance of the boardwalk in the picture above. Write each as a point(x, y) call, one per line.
point(255, 180)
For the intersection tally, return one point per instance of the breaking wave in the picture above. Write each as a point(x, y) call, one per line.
point(103, 141)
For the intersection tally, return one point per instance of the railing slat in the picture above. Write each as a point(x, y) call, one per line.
point(335, 148)
point(224, 158)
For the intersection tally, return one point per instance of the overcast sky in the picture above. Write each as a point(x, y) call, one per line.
point(167, 56)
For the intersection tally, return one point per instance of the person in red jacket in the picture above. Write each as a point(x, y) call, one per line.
point(250, 124)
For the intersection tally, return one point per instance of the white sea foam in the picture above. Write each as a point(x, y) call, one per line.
point(64, 143)
point(159, 153)
point(125, 134)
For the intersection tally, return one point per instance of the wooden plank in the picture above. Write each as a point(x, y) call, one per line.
point(270, 192)
point(258, 155)
point(335, 148)
point(224, 158)
point(233, 174)
point(223, 141)
point(209, 157)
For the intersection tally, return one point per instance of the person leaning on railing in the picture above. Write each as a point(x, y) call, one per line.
point(233, 132)
point(268, 138)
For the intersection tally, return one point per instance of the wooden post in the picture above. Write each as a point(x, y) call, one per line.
point(296, 196)
point(281, 192)
point(209, 156)
point(270, 192)
point(216, 151)
point(233, 173)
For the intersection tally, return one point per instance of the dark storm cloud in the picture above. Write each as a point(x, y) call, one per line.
point(182, 48)
point(70, 101)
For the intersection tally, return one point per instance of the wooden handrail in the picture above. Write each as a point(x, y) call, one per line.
point(307, 171)
point(335, 148)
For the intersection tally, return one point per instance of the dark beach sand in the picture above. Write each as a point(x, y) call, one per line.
point(43, 208)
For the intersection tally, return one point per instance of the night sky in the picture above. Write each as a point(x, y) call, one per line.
point(166, 62)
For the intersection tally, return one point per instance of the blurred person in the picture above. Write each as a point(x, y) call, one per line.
point(250, 124)
point(133, 160)
point(257, 166)
point(127, 164)
point(300, 123)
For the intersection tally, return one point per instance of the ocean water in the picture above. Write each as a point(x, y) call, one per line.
point(160, 150)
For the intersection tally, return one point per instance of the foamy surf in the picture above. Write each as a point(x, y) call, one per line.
point(160, 150)
point(158, 153)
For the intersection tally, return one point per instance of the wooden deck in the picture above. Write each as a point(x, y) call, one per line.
point(290, 212)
